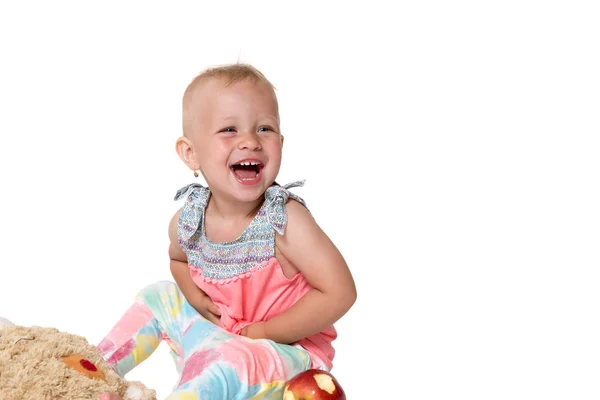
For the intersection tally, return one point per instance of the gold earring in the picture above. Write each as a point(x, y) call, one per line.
point(195, 173)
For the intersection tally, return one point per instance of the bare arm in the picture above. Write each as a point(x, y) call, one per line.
point(308, 248)
point(181, 273)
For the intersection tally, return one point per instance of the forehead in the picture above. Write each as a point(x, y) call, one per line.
point(216, 93)
point(213, 99)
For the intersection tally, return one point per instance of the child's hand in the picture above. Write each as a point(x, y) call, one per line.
point(255, 331)
point(209, 310)
point(109, 396)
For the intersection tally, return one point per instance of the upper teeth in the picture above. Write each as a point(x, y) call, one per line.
point(249, 163)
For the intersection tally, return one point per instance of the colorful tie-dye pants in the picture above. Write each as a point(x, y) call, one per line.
point(213, 363)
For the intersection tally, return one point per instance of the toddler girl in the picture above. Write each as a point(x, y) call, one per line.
point(258, 285)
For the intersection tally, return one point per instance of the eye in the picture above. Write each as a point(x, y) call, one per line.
point(266, 129)
point(229, 129)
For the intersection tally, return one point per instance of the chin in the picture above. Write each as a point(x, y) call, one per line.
point(246, 194)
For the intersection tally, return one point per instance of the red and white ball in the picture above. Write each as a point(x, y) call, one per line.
point(313, 384)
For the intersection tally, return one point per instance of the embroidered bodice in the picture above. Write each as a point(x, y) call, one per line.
point(226, 261)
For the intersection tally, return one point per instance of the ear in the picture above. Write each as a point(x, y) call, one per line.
point(185, 151)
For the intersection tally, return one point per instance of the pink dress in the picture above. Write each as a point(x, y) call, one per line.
point(243, 277)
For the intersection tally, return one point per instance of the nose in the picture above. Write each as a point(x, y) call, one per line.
point(249, 141)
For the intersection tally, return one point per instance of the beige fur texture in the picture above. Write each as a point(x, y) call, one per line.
point(31, 367)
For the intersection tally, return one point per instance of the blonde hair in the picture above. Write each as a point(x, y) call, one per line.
point(228, 75)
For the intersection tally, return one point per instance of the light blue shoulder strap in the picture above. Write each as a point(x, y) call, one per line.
point(192, 211)
point(276, 197)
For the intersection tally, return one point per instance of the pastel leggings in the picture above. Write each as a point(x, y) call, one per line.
point(213, 363)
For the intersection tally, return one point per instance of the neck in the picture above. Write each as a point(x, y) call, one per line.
point(228, 209)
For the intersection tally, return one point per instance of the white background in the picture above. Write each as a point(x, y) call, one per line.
point(450, 151)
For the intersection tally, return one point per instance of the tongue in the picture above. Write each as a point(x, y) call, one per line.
point(245, 172)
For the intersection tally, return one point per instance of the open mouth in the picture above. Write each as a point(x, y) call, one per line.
point(247, 171)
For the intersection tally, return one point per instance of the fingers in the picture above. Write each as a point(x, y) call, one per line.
point(212, 307)
point(213, 318)
point(208, 310)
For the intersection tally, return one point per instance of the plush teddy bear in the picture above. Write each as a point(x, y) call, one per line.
point(43, 363)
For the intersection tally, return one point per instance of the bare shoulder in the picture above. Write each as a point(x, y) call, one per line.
point(298, 213)
point(300, 223)
point(175, 251)
point(303, 238)
point(174, 220)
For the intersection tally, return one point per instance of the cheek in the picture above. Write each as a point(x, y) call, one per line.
point(214, 151)
point(273, 148)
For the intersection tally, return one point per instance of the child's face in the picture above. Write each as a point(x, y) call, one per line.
point(238, 124)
